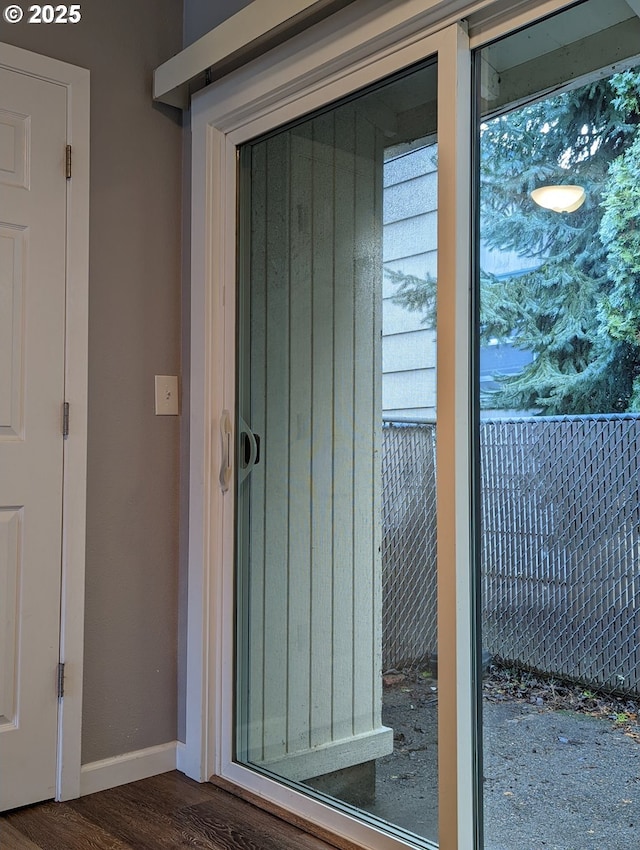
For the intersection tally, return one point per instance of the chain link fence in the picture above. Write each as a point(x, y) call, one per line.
point(408, 545)
point(560, 552)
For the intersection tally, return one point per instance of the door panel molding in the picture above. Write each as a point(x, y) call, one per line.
point(292, 81)
point(11, 522)
point(12, 335)
point(76, 83)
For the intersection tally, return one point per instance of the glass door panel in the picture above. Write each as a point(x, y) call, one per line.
point(559, 143)
point(336, 659)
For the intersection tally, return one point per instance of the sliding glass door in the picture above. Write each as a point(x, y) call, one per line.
point(337, 534)
point(347, 622)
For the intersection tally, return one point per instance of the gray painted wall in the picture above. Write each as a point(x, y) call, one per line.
point(200, 16)
point(130, 695)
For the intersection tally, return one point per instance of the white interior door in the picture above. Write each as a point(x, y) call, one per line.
point(33, 119)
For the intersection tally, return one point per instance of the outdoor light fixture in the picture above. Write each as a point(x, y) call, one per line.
point(559, 198)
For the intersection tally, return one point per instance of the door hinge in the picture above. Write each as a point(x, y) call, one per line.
point(68, 161)
point(65, 419)
point(60, 680)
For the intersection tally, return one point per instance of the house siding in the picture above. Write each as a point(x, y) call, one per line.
point(410, 247)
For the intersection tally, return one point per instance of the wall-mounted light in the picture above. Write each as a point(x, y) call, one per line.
point(559, 198)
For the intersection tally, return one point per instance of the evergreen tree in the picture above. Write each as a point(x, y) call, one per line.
point(620, 232)
point(556, 311)
point(578, 310)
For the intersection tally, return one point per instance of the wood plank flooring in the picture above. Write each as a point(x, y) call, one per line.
point(161, 813)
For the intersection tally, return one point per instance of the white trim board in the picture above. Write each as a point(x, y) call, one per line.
point(181, 758)
point(76, 82)
point(259, 29)
point(129, 767)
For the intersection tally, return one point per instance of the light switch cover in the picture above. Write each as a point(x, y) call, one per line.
point(167, 395)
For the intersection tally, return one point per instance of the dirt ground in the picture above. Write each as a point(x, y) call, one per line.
point(561, 764)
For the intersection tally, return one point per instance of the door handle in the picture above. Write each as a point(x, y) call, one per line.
point(225, 451)
point(249, 449)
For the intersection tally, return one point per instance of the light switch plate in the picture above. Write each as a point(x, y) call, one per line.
point(166, 395)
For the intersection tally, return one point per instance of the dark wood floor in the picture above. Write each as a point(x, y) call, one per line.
point(160, 813)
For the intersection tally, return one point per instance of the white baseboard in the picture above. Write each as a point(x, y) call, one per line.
point(129, 767)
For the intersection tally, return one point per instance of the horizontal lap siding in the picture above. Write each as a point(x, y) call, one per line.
point(410, 248)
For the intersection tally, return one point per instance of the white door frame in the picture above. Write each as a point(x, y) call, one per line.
point(338, 57)
point(76, 82)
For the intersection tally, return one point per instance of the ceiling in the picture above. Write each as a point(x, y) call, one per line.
point(574, 24)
